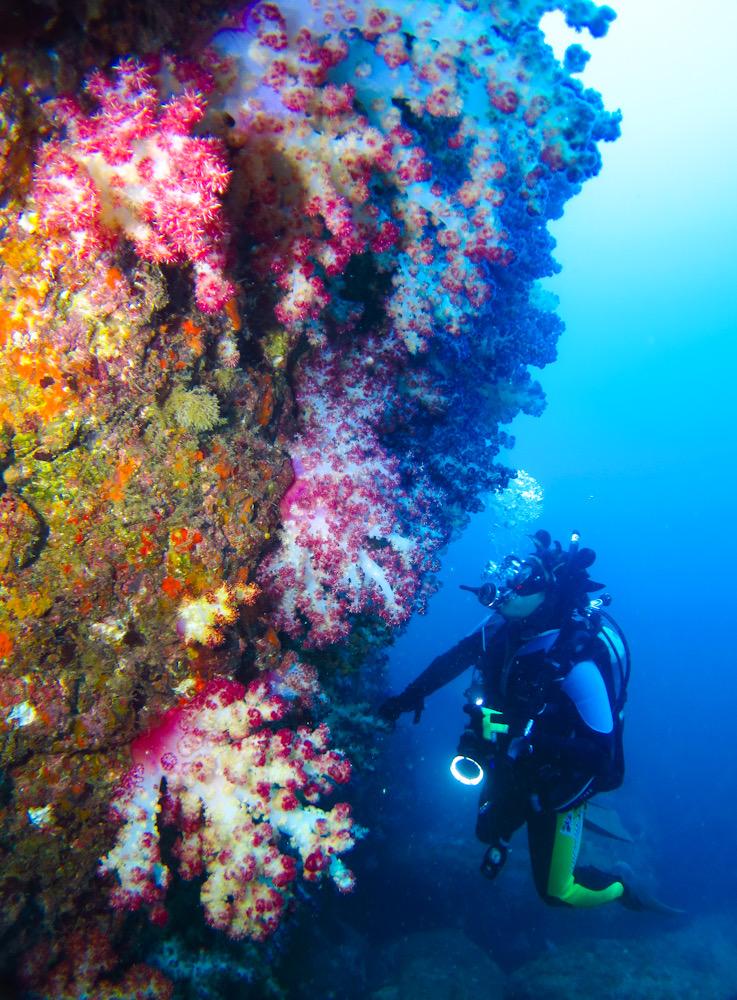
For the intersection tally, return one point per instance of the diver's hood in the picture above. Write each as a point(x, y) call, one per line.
point(550, 568)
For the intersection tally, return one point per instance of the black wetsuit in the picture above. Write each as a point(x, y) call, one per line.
point(547, 697)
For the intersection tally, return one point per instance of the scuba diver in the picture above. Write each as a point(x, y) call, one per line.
point(545, 707)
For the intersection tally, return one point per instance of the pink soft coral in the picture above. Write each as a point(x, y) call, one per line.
point(355, 538)
point(235, 788)
point(132, 167)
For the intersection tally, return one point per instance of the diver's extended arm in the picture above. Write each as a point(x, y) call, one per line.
point(442, 670)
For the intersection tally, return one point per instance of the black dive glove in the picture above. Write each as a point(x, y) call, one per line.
point(407, 701)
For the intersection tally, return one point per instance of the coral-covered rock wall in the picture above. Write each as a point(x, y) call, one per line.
point(269, 295)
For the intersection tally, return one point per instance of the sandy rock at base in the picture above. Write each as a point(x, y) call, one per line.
point(441, 965)
point(698, 962)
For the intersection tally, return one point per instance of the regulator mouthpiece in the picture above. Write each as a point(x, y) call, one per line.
point(486, 593)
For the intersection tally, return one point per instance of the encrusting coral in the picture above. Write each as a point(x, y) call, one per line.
point(195, 409)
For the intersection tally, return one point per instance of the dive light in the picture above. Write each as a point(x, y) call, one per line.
point(466, 770)
point(464, 767)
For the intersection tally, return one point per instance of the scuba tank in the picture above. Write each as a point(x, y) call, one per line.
point(611, 634)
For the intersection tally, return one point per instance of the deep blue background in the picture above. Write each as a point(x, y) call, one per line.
point(636, 448)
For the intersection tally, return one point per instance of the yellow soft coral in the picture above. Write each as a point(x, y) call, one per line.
point(201, 620)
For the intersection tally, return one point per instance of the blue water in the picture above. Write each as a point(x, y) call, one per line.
point(636, 449)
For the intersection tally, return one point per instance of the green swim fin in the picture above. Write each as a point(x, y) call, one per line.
point(636, 896)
